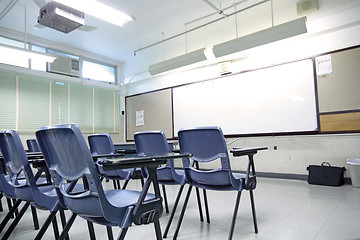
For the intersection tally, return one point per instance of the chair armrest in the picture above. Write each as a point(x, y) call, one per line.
point(108, 155)
point(250, 177)
point(126, 151)
point(150, 210)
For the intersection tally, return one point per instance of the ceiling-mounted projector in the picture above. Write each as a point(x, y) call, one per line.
point(61, 17)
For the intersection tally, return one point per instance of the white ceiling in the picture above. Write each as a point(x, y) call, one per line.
point(154, 21)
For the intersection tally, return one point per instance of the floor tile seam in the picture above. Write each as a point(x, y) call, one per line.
point(328, 218)
point(292, 212)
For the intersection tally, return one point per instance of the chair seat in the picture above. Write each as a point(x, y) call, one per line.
point(25, 193)
point(216, 179)
point(117, 198)
point(123, 198)
point(166, 177)
point(124, 174)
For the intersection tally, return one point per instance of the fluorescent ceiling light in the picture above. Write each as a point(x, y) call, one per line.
point(98, 10)
point(20, 53)
point(269, 35)
point(177, 62)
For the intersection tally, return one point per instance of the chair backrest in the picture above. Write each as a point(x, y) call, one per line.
point(65, 152)
point(206, 144)
point(101, 143)
point(13, 152)
point(152, 143)
point(68, 158)
point(17, 163)
point(5, 187)
point(33, 145)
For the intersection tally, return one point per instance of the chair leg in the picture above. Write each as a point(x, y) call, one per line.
point(67, 227)
point(63, 221)
point(16, 220)
point(9, 203)
point(199, 204)
point(125, 184)
point(9, 215)
point(16, 210)
point(35, 218)
point(182, 213)
point(122, 234)
point(45, 226)
point(142, 181)
point(1, 207)
point(173, 211)
point(158, 230)
point(206, 206)
point(91, 230)
point(55, 227)
point(109, 233)
point(165, 199)
point(234, 215)
point(253, 211)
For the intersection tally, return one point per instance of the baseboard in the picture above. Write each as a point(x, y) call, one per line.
point(289, 176)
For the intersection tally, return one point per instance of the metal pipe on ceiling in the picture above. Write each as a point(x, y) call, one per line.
point(198, 27)
point(8, 8)
point(218, 10)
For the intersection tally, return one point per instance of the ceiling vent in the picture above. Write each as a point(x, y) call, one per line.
point(61, 17)
point(306, 6)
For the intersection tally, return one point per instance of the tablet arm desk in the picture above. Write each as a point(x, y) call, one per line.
point(145, 211)
point(250, 177)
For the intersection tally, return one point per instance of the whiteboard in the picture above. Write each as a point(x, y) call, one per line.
point(277, 99)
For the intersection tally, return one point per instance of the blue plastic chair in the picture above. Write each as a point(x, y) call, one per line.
point(207, 144)
point(33, 145)
point(7, 190)
point(68, 158)
point(102, 143)
point(41, 196)
point(152, 143)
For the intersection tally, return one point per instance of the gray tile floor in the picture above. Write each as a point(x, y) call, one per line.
point(286, 209)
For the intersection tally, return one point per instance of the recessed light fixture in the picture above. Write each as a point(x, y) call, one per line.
point(99, 10)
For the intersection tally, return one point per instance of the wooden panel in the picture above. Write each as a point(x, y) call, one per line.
point(340, 122)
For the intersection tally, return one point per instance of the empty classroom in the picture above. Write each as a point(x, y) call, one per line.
point(192, 119)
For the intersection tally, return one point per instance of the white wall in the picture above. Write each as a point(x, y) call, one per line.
point(335, 25)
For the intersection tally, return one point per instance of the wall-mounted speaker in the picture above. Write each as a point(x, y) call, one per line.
point(306, 6)
point(225, 68)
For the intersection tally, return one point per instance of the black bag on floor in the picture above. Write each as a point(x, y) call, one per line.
point(326, 175)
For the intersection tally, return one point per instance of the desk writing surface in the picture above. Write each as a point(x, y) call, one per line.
point(133, 162)
point(242, 151)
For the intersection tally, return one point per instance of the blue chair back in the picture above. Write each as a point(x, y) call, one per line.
point(154, 143)
point(207, 144)
point(33, 145)
point(151, 143)
point(17, 164)
point(5, 186)
point(68, 158)
point(13, 151)
point(101, 143)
